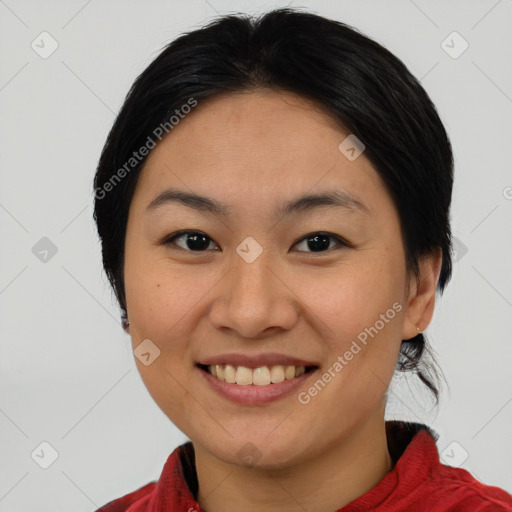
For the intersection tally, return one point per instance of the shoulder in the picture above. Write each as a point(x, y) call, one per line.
point(173, 486)
point(421, 480)
point(122, 504)
point(467, 493)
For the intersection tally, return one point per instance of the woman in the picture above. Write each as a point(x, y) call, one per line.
point(273, 205)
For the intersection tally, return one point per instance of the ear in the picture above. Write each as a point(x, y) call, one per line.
point(422, 295)
point(125, 324)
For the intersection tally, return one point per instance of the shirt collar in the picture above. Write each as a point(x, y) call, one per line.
point(177, 488)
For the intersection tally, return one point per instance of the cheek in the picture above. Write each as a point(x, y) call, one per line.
point(157, 296)
point(160, 304)
point(361, 308)
point(165, 305)
point(352, 298)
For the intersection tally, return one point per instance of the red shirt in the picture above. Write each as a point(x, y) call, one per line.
point(418, 482)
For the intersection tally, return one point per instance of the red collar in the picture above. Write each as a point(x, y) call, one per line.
point(417, 477)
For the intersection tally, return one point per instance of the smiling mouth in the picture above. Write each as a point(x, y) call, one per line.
point(261, 376)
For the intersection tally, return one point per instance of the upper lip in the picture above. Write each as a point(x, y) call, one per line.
point(255, 361)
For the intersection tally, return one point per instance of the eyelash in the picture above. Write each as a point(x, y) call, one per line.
point(169, 240)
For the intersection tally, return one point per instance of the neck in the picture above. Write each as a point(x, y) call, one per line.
point(330, 480)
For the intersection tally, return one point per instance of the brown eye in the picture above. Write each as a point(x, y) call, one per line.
point(192, 241)
point(321, 242)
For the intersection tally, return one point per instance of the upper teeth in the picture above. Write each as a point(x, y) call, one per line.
point(261, 376)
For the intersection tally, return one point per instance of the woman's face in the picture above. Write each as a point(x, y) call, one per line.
point(255, 281)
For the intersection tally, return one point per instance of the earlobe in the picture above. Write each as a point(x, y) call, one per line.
point(125, 323)
point(422, 296)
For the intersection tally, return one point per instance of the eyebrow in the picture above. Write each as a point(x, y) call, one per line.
point(337, 198)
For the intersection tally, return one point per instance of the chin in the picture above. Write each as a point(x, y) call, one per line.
point(257, 449)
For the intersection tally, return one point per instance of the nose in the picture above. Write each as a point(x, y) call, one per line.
point(255, 299)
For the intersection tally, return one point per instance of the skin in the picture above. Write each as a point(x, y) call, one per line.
point(253, 151)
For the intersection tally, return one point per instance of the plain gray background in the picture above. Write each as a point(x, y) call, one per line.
point(68, 376)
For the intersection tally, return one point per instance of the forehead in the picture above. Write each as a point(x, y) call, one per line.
point(265, 106)
point(273, 119)
point(257, 145)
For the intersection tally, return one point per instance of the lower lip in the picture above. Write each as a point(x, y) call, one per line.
point(251, 394)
